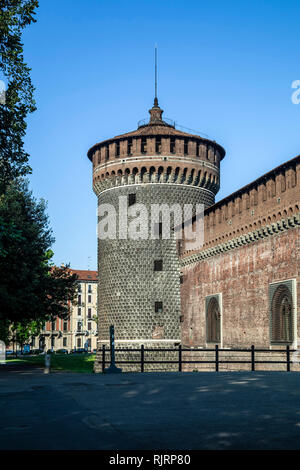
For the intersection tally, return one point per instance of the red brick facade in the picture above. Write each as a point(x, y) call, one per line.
point(251, 240)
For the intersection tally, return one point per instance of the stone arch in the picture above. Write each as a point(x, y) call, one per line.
point(213, 321)
point(281, 314)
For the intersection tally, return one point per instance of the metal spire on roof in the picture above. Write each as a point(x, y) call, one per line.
point(155, 98)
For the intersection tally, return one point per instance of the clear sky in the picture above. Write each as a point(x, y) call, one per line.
point(225, 69)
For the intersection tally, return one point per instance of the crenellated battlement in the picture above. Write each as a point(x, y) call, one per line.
point(268, 199)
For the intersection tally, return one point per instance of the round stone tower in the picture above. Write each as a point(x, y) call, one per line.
point(139, 279)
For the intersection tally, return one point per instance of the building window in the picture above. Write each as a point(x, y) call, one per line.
point(213, 321)
point(172, 145)
point(79, 311)
point(64, 341)
point(129, 149)
point(89, 325)
point(158, 307)
point(158, 145)
point(89, 313)
point(89, 299)
point(53, 325)
point(185, 147)
point(79, 287)
point(52, 341)
point(158, 265)
point(65, 326)
point(117, 149)
point(79, 300)
point(181, 279)
point(281, 315)
point(143, 145)
point(158, 229)
point(89, 289)
point(33, 341)
point(78, 342)
point(79, 326)
point(131, 199)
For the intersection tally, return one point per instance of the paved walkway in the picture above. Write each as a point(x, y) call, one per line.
point(176, 411)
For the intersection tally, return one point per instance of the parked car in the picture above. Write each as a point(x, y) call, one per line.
point(79, 351)
point(37, 351)
point(62, 351)
point(9, 352)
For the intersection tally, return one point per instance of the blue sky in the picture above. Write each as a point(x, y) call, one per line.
point(225, 69)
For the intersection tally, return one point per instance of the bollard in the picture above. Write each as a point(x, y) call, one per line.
point(47, 364)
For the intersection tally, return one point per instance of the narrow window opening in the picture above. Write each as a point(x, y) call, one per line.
point(158, 307)
point(172, 145)
point(117, 149)
point(185, 147)
point(129, 146)
point(131, 199)
point(158, 265)
point(143, 145)
point(158, 145)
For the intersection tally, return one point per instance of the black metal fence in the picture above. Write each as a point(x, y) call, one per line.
point(216, 361)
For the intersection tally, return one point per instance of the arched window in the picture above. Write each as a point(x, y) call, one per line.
point(281, 315)
point(213, 320)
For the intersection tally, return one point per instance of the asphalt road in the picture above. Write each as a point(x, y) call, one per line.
point(174, 411)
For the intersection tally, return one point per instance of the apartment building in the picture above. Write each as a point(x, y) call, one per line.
point(80, 330)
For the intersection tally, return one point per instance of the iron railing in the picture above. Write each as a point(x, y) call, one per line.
point(216, 361)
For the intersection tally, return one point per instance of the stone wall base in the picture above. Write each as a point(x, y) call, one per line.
point(202, 355)
point(132, 355)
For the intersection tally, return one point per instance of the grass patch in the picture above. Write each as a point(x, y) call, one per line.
point(71, 363)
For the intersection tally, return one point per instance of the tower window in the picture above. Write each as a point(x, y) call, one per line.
point(131, 199)
point(158, 145)
point(79, 300)
point(143, 145)
point(117, 149)
point(64, 341)
point(89, 299)
point(129, 149)
point(89, 313)
point(106, 153)
point(158, 229)
point(79, 311)
point(89, 325)
point(172, 145)
point(185, 147)
point(158, 265)
point(65, 326)
point(89, 289)
point(158, 307)
point(197, 149)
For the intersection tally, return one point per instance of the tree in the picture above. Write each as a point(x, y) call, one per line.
point(32, 289)
point(15, 15)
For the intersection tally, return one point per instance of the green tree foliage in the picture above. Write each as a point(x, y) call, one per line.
point(15, 15)
point(32, 289)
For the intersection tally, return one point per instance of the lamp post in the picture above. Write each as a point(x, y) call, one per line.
point(112, 369)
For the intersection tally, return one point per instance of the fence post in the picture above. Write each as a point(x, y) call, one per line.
point(252, 358)
point(142, 358)
point(180, 358)
point(103, 358)
point(288, 358)
point(217, 358)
